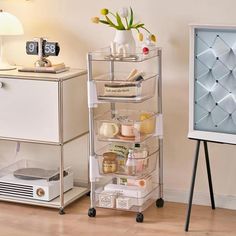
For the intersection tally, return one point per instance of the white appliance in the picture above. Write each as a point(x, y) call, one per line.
point(39, 189)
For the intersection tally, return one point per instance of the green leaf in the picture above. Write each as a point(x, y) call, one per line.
point(104, 22)
point(131, 18)
point(138, 26)
point(111, 23)
point(119, 21)
point(146, 29)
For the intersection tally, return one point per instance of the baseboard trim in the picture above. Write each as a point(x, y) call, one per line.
point(81, 183)
point(199, 198)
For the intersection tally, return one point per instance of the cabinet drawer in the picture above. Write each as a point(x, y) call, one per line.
point(29, 109)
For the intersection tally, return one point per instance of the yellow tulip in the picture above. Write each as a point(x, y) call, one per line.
point(104, 11)
point(153, 38)
point(140, 36)
point(95, 19)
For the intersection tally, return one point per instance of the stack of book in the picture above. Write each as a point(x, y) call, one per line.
point(57, 68)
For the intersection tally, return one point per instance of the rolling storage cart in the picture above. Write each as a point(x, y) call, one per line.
point(126, 145)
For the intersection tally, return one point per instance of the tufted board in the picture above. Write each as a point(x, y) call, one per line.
point(212, 87)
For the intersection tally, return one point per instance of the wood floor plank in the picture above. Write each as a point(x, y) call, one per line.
point(24, 220)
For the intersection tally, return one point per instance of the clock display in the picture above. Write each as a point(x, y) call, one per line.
point(48, 48)
point(51, 49)
point(32, 48)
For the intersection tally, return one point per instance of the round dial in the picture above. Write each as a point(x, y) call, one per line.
point(40, 192)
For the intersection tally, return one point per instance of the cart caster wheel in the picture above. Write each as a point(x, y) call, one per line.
point(61, 211)
point(88, 194)
point(139, 218)
point(160, 203)
point(92, 212)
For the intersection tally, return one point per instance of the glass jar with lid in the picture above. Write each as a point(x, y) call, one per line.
point(109, 164)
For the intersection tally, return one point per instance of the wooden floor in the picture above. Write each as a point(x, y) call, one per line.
point(23, 220)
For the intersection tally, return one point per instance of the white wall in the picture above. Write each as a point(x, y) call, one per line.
point(69, 23)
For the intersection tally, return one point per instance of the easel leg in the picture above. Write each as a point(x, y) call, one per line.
point(192, 185)
point(209, 175)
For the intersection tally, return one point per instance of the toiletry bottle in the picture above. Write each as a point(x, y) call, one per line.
point(139, 157)
point(145, 154)
point(131, 163)
point(140, 153)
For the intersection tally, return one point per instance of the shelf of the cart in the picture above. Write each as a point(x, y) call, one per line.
point(126, 199)
point(143, 167)
point(113, 159)
point(121, 89)
point(104, 54)
point(126, 125)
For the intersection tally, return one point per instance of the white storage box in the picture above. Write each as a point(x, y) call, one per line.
point(138, 194)
point(107, 199)
point(124, 203)
point(143, 183)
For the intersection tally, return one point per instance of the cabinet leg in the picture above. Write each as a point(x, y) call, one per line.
point(192, 186)
point(88, 194)
point(62, 211)
point(61, 177)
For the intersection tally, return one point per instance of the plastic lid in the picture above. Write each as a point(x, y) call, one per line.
point(109, 156)
point(131, 150)
point(137, 145)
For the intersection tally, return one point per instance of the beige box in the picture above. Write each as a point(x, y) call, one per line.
point(107, 199)
point(124, 203)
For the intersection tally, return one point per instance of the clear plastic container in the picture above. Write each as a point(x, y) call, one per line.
point(129, 198)
point(144, 159)
point(50, 171)
point(126, 125)
point(104, 54)
point(122, 90)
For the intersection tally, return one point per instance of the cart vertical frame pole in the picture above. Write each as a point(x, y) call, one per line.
point(91, 132)
point(159, 110)
point(112, 77)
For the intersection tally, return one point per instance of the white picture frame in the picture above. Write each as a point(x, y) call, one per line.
point(198, 133)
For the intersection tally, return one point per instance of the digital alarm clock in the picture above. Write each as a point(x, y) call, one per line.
point(42, 48)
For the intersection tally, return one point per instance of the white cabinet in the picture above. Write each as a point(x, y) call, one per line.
point(30, 110)
point(44, 108)
point(34, 107)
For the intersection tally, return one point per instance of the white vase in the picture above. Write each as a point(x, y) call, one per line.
point(125, 39)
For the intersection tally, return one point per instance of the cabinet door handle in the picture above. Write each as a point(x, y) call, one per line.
point(1, 84)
